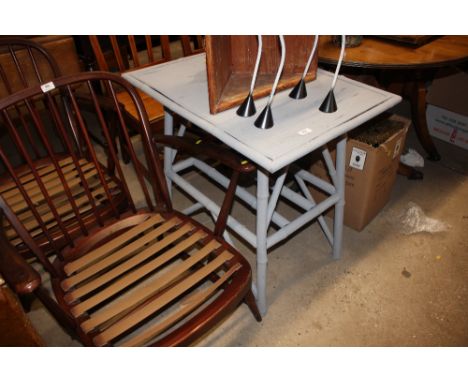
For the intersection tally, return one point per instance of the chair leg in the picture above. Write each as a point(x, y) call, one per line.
point(249, 299)
point(64, 321)
point(124, 148)
point(26, 302)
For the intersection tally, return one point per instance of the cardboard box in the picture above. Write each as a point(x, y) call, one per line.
point(371, 169)
point(448, 126)
point(447, 109)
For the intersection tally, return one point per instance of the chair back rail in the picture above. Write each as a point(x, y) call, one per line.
point(24, 63)
point(188, 41)
point(123, 53)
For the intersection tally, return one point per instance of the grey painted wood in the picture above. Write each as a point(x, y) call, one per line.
point(299, 129)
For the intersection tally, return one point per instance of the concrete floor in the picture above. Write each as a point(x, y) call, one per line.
point(388, 289)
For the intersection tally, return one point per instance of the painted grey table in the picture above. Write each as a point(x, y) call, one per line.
point(299, 129)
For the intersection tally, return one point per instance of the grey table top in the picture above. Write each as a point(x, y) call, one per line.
point(300, 128)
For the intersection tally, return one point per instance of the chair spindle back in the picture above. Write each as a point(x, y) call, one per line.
point(122, 53)
point(66, 184)
point(24, 63)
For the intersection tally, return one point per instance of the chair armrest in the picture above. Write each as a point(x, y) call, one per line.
point(199, 147)
point(16, 271)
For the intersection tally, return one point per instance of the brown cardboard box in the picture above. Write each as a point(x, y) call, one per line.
point(370, 171)
point(447, 109)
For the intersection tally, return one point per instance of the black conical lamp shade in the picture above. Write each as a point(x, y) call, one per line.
point(265, 119)
point(299, 91)
point(247, 108)
point(329, 104)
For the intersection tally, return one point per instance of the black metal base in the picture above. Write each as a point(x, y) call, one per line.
point(265, 119)
point(299, 91)
point(247, 108)
point(329, 104)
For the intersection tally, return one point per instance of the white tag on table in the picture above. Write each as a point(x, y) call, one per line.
point(304, 131)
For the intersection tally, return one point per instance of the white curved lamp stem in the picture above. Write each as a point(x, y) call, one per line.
point(280, 69)
point(311, 56)
point(340, 60)
point(257, 64)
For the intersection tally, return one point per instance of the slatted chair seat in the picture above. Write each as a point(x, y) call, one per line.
point(173, 266)
point(154, 109)
point(56, 191)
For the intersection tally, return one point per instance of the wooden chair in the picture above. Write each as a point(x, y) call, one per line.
point(24, 63)
point(124, 53)
point(150, 275)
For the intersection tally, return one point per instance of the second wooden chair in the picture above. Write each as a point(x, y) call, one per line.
point(124, 53)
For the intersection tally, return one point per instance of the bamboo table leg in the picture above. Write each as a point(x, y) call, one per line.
point(168, 152)
point(262, 260)
point(340, 190)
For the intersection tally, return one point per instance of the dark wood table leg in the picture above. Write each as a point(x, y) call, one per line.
point(410, 172)
point(416, 94)
point(411, 85)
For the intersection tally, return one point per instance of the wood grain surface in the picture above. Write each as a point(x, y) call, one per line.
point(381, 53)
